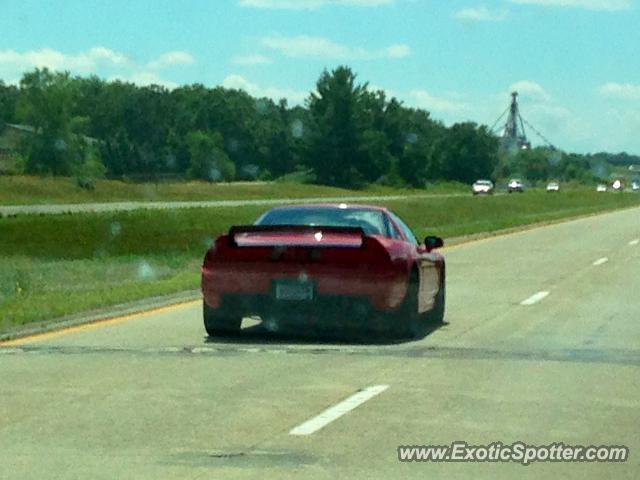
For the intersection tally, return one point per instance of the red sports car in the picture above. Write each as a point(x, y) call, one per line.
point(339, 265)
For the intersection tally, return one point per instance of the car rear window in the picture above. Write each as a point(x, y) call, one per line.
point(371, 221)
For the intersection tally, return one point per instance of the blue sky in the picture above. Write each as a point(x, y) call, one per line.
point(576, 63)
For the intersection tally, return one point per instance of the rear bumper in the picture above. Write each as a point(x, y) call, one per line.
point(243, 290)
point(325, 310)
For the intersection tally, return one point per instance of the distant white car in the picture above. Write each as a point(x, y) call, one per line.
point(515, 185)
point(601, 188)
point(553, 187)
point(482, 187)
point(635, 186)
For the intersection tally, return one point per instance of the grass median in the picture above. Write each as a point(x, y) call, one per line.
point(51, 266)
point(30, 190)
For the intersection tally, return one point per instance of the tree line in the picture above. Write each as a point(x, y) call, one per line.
point(346, 134)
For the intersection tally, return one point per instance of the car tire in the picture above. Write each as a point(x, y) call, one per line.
point(435, 316)
point(218, 324)
point(406, 318)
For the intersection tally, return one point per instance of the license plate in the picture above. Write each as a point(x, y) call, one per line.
point(294, 291)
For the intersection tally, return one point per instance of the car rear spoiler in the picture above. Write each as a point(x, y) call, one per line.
point(285, 229)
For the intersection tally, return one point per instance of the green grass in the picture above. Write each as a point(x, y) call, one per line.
point(459, 216)
point(36, 289)
point(26, 190)
point(57, 265)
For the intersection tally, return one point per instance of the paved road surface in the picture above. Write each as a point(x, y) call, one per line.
point(542, 345)
point(52, 209)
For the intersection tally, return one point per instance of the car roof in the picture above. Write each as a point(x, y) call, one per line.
point(332, 206)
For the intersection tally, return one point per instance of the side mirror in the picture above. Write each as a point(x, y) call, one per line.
point(431, 243)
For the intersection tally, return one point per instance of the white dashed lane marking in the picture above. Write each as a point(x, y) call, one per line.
point(532, 300)
point(333, 413)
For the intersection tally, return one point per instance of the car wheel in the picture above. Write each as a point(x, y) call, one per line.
point(216, 323)
point(435, 316)
point(406, 319)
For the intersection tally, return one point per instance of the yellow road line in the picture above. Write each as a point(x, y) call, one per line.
point(38, 337)
point(496, 236)
point(518, 231)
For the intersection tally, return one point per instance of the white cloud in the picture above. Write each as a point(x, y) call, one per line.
point(97, 60)
point(606, 5)
point(238, 82)
point(311, 4)
point(84, 62)
point(530, 90)
point(480, 14)
point(145, 78)
point(309, 47)
point(305, 46)
point(251, 60)
point(397, 51)
point(104, 54)
point(621, 91)
point(170, 59)
point(423, 99)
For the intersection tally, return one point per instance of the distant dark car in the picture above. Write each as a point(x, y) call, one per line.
point(318, 265)
point(515, 185)
point(482, 187)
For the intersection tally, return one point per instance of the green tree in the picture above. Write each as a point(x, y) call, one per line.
point(209, 161)
point(8, 99)
point(468, 152)
point(534, 164)
point(418, 137)
point(374, 158)
point(582, 168)
point(44, 104)
point(90, 169)
point(334, 147)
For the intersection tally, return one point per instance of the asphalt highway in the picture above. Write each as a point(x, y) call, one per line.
point(541, 345)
